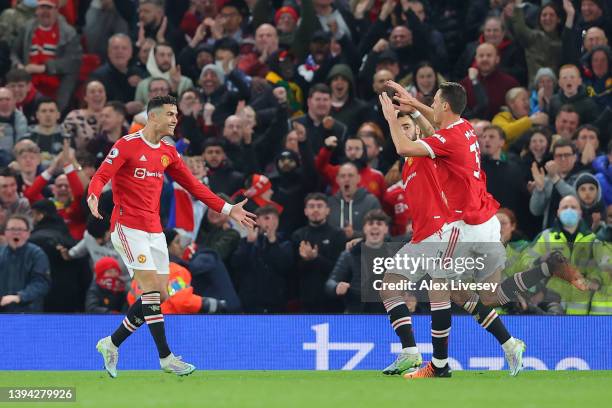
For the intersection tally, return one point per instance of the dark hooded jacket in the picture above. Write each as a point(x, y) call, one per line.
point(353, 111)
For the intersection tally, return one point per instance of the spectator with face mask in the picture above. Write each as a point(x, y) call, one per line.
point(573, 237)
point(24, 270)
point(107, 292)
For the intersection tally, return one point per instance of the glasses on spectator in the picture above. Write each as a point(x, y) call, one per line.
point(16, 230)
point(563, 155)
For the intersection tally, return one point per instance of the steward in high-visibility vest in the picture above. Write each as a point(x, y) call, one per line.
point(601, 303)
point(578, 247)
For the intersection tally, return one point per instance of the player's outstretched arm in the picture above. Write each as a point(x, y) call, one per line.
point(242, 216)
point(425, 110)
point(403, 145)
point(181, 174)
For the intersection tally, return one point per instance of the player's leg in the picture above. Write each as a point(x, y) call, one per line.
point(151, 304)
point(489, 320)
point(401, 321)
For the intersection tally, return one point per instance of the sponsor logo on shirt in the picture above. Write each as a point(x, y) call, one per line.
point(410, 177)
point(141, 173)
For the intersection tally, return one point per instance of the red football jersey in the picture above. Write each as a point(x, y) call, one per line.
point(457, 157)
point(424, 197)
point(136, 168)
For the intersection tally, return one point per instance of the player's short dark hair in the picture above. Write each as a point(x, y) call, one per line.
point(454, 94)
point(500, 131)
point(315, 197)
point(213, 142)
point(97, 227)
point(227, 44)
point(376, 215)
point(267, 210)
point(118, 107)
point(18, 75)
point(588, 126)
point(26, 220)
point(45, 99)
point(321, 88)
point(562, 143)
point(160, 101)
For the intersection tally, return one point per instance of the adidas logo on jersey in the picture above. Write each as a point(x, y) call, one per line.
point(143, 158)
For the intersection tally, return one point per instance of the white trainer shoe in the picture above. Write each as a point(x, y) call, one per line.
point(175, 364)
point(110, 354)
point(514, 357)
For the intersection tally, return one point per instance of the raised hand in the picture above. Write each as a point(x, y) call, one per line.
point(242, 216)
point(388, 108)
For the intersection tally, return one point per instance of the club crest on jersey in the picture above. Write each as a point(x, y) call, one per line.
point(409, 161)
point(165, 160)
point(142, 259)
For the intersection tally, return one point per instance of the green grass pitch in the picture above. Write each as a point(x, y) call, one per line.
point(317, 389)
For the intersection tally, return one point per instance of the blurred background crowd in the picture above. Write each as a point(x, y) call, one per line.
point(278, 103)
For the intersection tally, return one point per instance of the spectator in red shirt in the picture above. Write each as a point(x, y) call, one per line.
point(355, 152)
point(50, 50)
point(495, 82)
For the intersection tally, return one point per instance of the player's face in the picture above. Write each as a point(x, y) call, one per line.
point(353, 149)
point(439, 106)
point(587, 193)
point(408, 127)
point(165, 120)
point(375, 232)
point(316, 211)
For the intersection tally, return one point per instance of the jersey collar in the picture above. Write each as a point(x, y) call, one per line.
point(151, 145)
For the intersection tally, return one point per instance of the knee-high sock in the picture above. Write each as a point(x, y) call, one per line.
point(131, 322)
point(521, 282)
point(487, 317)
point(440, 330)
point(151, 309)
point(400, 319)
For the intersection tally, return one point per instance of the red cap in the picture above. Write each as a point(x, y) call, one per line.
point(283, 10)
point(52, 3)
point(104, 264)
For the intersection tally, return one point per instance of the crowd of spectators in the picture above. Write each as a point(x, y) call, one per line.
point(278, 103)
